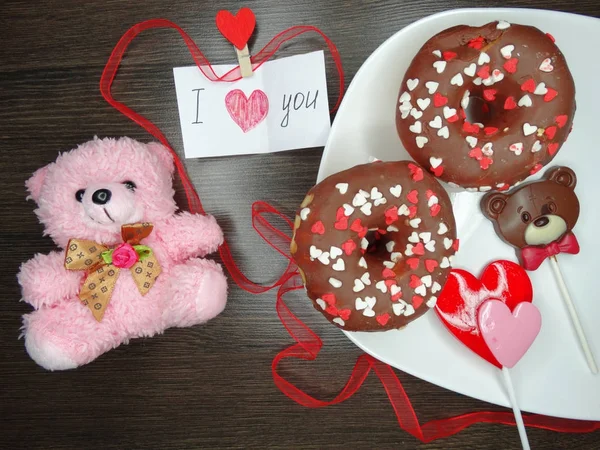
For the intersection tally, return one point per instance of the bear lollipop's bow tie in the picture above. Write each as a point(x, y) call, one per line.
point(103, 265)
point(534, 256)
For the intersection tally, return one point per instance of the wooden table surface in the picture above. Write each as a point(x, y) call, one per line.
point(208, 386)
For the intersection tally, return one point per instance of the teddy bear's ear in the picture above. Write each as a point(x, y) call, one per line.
point(562, 175)
point(35, 183)
point(164, 154)
point(493, 204)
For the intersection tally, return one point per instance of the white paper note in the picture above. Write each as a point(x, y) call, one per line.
point(282, 106)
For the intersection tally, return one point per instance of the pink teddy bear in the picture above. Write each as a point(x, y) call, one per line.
point(89, 193)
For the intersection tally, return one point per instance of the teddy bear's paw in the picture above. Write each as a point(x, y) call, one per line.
point(46, 353)
point(212, 294)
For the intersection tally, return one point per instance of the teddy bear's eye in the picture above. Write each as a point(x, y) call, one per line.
point(525, 217)
point(79, 195)
point(130, 185)
point(551, 207)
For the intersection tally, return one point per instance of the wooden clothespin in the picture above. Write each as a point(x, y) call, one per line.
point(237, 30)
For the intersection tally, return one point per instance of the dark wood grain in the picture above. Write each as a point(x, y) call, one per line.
point(207, 386)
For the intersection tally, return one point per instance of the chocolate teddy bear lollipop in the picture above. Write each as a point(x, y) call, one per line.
point(537, 217)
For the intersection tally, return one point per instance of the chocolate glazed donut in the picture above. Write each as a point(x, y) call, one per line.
point(374, 245)
point(484, 108)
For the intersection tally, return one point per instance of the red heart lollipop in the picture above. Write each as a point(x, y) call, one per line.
point(458, 303)
point(236, 29)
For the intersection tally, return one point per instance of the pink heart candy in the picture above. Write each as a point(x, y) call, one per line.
point(509, 335)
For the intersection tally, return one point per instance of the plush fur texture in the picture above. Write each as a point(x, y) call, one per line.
point(62, 333)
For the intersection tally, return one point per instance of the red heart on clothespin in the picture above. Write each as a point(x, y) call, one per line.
point(236, 29)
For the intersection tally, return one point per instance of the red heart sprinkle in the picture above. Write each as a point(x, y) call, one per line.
point(552, 148)
point(340, 213)
point(561, 121)
point(484, 72)
point(419, 249)
point(550, 95)
point(415, 281)
point(551, 37)
point(382, 232)
point(430, 265)
point(341, 224)
point(463, 114)
point(528, 86)
point(476, 43)
point(489, 94)
point(413, 263)
point(344, 313)
point(511, 65)
point(417, 301)
point(318, 228)
point(455, 245)
point(470, 128)
point(391, 215)
point(397, 296)
point(416, 172)
point(356, 226)
point(413, 196)
point(510, 103)
point(429, 193)
point(535, 169)
point(550, 132)
point(349, 246)
point(439, 100)
point(383, 319)
point(476, 153)
point(412, 211)
point(489, 131)
point(504, 187)
point(329, 299)
point(453, 118)
point(435, 210)
point(485, 162)
point(438, 171)
point(390, 283)
point(448, 56)
point(388, 273)
point(332, 310)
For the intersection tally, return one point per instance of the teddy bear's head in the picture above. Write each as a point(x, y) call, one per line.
point(536, 213)
point(89, 192)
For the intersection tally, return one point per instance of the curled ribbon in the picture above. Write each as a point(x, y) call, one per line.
point(103, 265)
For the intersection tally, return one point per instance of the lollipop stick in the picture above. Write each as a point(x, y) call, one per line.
point(574, 317)
point(516, 410)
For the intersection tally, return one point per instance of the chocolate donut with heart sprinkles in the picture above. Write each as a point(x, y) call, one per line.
point(374, 245)
point(485, 107)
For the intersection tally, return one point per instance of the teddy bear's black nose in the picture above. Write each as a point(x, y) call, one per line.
point(101, 196)
point(541, 222)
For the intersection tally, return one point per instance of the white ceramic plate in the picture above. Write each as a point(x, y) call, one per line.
point(552, 378)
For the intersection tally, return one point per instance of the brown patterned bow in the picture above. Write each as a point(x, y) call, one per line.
point(103, 265)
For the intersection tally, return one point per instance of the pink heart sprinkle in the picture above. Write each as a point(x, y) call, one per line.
point(509, 334)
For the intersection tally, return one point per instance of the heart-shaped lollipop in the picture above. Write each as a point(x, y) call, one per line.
point(463, 294)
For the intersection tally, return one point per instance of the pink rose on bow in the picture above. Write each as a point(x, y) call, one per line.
point(124, 256)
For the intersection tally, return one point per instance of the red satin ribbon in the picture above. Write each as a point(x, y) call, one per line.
point(308, 344)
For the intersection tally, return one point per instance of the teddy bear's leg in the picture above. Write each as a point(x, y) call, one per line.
point(197, 293)
point(67, 336)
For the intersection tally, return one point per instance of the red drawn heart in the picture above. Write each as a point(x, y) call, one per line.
point(458, 303)
point(236, 29)
point(430, 265)
point(413, 196)
point(435, 210)
point(318, 228)
point(413, 263)
point(510, 103)
point(246, 112)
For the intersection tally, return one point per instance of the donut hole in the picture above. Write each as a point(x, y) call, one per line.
point(480, 110)
point(376, 247)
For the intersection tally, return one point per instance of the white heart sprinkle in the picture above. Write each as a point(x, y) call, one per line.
point(425, 236)
point(432, 301)
point(360, 304)
point(410, 310)
point(304, 213)
point(416, 113)
point(537, 146)
point(500, 185)
point(339, 321)
point(484, 58)
point(444, 132)
point(392, 228)
point(471, 189)
point(398, 308)
point(409, 250)
point(375, 194)
point(423, 103)
point(452, 257)
point(503, 25)
point(403, 210)
point(421, 141)
point(464, 103)
point(439, 66)
point(315, 252)
point(487, 149)
point(529, 129)
point(435, 162)
point(414, 237)
point(321, 303)
point(334, 252)
point(421, 290)
point(470, 70)
point(445, 263)
point(484, 188)
point(415, 222)
point(525, 101)
point(348, 210)
point(433, 200)
point(447, 243)
point(507, 50)
point(359, 200)
point(546, 65)
point(517, 148)
point(370, 301)
point(342, 187)
point(456, 80)
point(380, 201)
point(395, 289)
point(437, 53)
point(427, 280)
point(335, 282)
point(389, 264)
point(436, 122)
point(390, 246)
point(416, 127)
point(540, 89)
point(436, 287)
point(366, 278)
point(449, 112)
point(405, 109)
point(442, 229)
point(339, 265)
point(324, 258)
point(358, 285)
point(396, 190)
point(430, 246)
point(366, 209)
point(476, 81)
point(405, 97)
point(412, 84)
point(365, 194)
point(369, 313)
point(395, 256)
point(362, 262)
point(472, 141)
point(381, 286)
point(432, 86)
point(364, 243)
